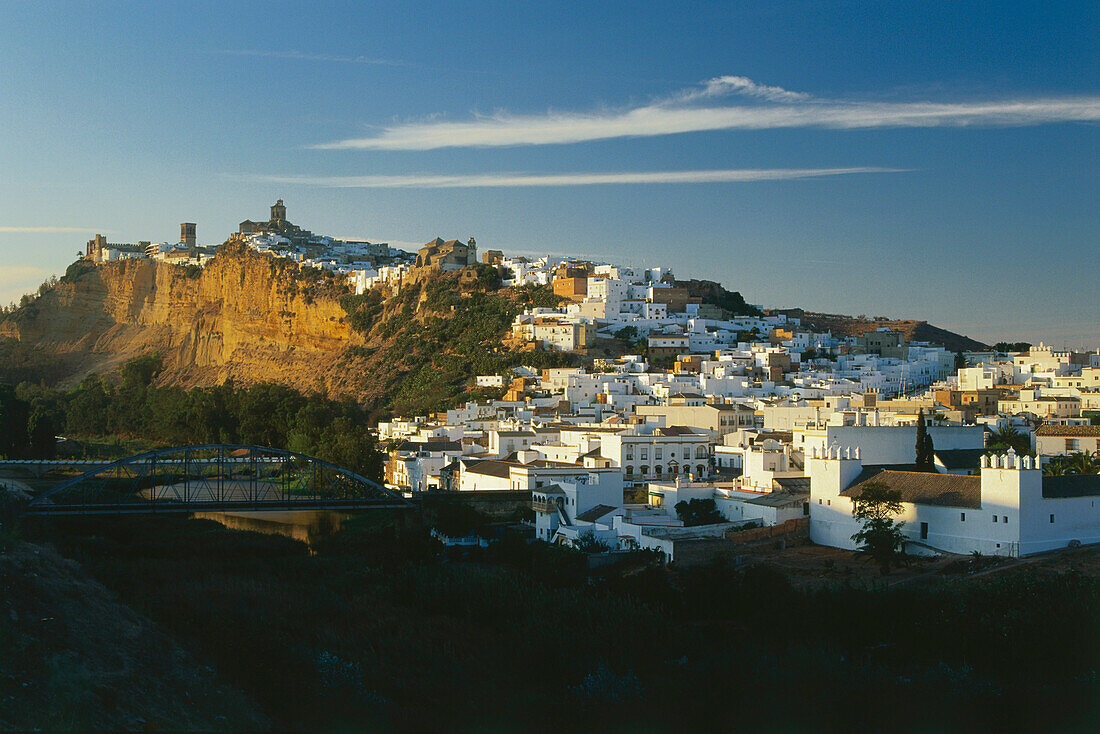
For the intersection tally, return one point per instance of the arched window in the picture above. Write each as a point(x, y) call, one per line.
point(629, 470)
point(701, 470)
point(701, 452)
point(658, 470)
point(643, 470)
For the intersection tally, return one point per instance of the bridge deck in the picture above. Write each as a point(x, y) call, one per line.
point(152, 508)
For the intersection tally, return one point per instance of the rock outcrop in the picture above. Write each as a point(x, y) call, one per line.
point(245, 316)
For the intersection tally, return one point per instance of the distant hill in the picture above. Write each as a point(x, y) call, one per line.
point(840, 325)
point(716, 295)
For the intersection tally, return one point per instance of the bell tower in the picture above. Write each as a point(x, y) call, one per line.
point(278, 212)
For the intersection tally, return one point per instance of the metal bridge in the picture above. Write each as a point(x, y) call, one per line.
point(214, 477)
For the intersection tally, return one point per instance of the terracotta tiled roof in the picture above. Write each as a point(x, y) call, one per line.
point(925, 488)
point(1049, 430)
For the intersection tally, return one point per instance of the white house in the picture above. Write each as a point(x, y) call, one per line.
point(577, 504)
point(1010, 509)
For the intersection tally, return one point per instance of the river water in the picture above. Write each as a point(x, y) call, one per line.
point(307, 526)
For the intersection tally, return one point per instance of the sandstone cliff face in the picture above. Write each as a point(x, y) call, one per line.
point(244, 317)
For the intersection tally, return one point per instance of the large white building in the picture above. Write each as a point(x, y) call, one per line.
point(1009, 509)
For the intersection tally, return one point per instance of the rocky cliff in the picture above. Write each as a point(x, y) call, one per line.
point(245, 316)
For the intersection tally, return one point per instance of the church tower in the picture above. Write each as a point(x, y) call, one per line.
point(278, 212)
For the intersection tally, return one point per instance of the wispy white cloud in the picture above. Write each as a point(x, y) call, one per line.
point(765, 107)
point(722, 86)
point(510, 180)
point(50, 230)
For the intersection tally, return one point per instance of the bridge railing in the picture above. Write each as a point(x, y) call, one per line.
point(213, 475)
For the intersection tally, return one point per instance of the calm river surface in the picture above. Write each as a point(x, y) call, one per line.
point(307, 526)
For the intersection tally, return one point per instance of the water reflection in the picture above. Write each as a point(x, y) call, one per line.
point(307, 526)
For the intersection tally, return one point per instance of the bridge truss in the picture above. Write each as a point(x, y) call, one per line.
point(213, 477)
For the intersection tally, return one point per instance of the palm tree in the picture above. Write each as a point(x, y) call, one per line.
point(1082, 463)
point(1055, 468)
point(1009, 438)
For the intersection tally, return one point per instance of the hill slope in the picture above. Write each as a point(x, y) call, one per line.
point(842, 326)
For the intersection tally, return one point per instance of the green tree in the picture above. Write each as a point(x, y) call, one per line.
point(1078, 463)
point(879, 536)
point(589, 543)
point(41, 432)
point(140, 372)
point(627, 334)
point(1083, 462)
point(926, 457)
point(1007, 438)
point(13, 424)
point(1055, 469)
point(699, 512)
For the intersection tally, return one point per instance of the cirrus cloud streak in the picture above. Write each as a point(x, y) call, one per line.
point(764, 108)
point(512, 180)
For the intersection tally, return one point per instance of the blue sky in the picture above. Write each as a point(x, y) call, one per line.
point(933, 160)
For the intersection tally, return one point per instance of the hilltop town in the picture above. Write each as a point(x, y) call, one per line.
point(679, 391)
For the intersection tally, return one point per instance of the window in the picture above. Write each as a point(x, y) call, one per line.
point(629, 470)
point(994, 518)
point(1004, 519)
point(701, 452)
point(924, 531)
point(1052, 519)
point(658, 469)
point(819, 502)
point(962, 517)
point(658, 453)
point(643, 453)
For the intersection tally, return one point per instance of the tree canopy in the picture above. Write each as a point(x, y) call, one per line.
point(699, 512)
point(926, 452)
point(880, 536)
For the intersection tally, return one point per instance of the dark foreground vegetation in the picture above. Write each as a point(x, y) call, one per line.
point(263, 414)
point(379, 630)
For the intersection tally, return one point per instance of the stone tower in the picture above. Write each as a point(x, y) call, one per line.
point(187, 234)
point(96, 247)
point(278, 212)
